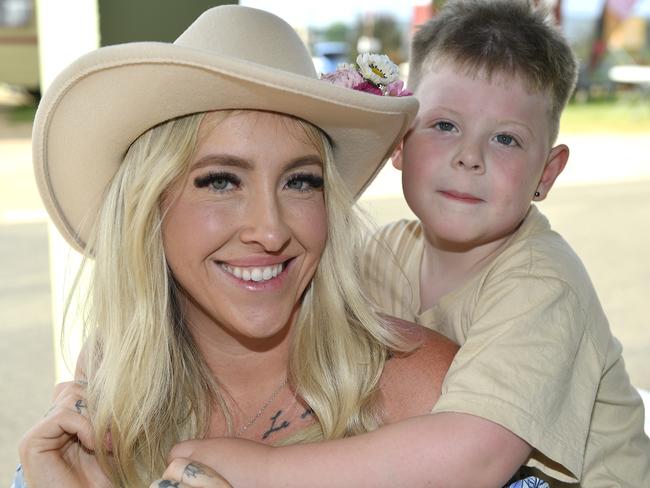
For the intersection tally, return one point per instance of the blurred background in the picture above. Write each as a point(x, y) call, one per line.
point(600, 203)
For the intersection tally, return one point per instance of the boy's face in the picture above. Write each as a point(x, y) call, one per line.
point(477, 153)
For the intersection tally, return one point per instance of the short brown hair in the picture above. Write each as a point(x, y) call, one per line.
point(509, 37)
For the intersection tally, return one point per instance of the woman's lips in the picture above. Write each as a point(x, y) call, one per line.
point(254, 273)
point(257, 277)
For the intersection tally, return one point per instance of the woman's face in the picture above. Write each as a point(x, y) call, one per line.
point(244, 232)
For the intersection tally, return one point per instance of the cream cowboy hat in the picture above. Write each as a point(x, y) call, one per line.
point(231, 57)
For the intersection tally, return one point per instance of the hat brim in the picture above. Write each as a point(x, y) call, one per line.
point(100, 104)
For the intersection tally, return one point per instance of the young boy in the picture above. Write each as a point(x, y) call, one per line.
point(482, 265)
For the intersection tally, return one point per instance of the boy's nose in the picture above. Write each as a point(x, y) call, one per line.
point(470, 158)
point(264, 224)
point(465, 163)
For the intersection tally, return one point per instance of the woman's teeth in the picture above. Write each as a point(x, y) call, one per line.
point(254, 273)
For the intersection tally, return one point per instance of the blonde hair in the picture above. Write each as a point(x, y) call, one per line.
point(148, 386)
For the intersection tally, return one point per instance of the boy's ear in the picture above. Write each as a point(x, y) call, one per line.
point(555, 164)
point(396, 157)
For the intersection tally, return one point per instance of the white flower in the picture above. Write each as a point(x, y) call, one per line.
point(373, 73)
point(377, 68)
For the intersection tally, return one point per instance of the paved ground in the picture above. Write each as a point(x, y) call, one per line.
point(27, 364)
point(601, 206)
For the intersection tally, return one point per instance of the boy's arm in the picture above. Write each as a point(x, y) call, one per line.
point(441, 450)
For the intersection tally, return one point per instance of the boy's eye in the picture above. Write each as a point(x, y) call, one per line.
point(444, 126)
point(506, 140)
point(305, 182)
point(217, 181)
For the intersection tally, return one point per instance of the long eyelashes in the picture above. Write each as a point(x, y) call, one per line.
point(218, 181)
point(305, 182)
point(225, 181)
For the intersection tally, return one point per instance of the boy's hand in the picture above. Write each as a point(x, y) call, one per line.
point(182, 473)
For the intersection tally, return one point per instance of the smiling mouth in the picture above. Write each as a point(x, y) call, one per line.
point(254, 273)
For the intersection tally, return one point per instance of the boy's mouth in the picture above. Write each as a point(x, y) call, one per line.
point(460, 196)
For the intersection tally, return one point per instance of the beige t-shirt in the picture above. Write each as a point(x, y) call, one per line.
point(537, 355)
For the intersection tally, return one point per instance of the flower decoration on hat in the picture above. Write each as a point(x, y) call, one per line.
point(373, 73)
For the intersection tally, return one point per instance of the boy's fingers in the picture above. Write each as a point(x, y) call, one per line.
point(192, 474)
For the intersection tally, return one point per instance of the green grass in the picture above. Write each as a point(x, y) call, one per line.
point(22, 114)
point(625, 115)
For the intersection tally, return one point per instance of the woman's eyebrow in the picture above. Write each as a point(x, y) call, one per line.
point(222, 160)
point(238, 162)
point(309, 160)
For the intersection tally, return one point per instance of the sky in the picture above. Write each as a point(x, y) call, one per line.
point(321, 13)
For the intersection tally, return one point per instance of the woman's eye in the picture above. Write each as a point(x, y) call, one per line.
point(444, 126)
point(305, 182)
point(217, 181)
point(506, 140)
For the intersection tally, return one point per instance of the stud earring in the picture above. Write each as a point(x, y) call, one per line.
point(537, 194)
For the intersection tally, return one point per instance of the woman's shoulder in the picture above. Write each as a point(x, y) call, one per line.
point(411, 383)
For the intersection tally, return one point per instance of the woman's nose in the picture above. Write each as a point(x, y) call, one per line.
point(265, 224)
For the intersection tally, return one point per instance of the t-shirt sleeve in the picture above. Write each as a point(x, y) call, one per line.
point(529, 364)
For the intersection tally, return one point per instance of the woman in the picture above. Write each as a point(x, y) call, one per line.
point(212, 182)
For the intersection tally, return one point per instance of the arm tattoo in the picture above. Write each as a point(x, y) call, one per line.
point(275, 428)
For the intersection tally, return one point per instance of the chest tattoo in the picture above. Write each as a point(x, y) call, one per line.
point(275, 426)
point(277, 423)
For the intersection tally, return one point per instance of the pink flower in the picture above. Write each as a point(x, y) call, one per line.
point(396, 89)
point(368, 87)
point(347, 77)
